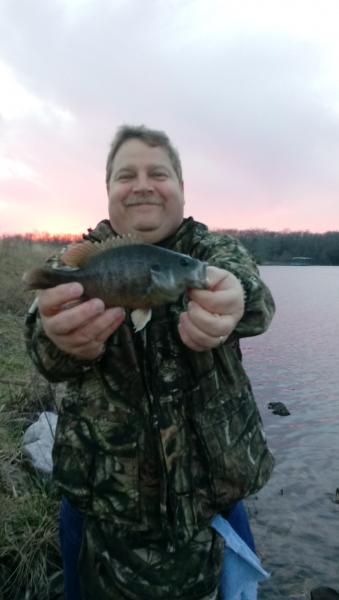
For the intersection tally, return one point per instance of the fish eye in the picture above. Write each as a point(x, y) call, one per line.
point(156, 267)
point(184, 262)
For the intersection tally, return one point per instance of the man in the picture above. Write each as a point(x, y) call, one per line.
point(158, 430)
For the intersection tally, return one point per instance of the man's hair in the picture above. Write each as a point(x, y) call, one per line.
point(151, 137)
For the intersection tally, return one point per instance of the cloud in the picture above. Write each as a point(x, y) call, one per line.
point(247, 91)
point(15, 169)
point(18, 102)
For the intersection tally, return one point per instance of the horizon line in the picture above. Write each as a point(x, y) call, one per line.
point(46, 235)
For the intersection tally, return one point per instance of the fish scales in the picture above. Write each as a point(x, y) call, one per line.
point(120, 276)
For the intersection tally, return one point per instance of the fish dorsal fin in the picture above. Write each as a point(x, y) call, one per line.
point(78, 254)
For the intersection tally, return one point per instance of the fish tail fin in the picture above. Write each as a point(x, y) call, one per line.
point(39, 279)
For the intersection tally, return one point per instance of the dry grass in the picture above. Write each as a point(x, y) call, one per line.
point(17, 255)
point(30, 566)
point(29, 553)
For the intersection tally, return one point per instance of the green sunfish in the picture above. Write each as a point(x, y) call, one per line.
point(124, 272)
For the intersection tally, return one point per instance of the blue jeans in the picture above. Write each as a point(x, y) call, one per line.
point(71, 524)
point(70, 530)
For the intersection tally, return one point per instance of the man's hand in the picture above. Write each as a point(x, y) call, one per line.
point(77, 329)
point(214, 313)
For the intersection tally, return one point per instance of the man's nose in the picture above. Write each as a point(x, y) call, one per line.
point(143, 183)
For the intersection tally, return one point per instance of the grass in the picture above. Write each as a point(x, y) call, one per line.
point(30, 565)
point(29, 553)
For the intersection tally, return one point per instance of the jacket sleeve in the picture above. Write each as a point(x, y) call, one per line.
point(51, 362)
point(228, 253)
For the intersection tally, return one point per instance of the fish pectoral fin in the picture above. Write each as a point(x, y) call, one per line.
point(159, 279)
point(163, 285)
point(140, 317)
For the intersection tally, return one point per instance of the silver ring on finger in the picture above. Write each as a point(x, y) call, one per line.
point(222, 339)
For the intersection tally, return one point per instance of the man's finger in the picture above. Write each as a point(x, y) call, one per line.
point(212, 324)
point(187, 340)
point(218, 278)
point(104, 325)
point(89, 352)
point(201, 339)
point(218, 302)
point(66, 321)
point(52, 299)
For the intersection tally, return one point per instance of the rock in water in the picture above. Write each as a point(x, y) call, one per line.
point(279, 408)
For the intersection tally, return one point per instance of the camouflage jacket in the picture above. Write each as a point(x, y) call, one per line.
point(155, 439)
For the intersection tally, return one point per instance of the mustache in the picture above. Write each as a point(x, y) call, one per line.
point(144, 199)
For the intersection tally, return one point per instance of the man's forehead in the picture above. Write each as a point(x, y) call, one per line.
point(135, 152)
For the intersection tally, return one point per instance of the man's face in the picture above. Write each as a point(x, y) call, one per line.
point(145, 196)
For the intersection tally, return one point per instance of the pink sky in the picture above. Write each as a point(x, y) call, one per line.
point(252, 105)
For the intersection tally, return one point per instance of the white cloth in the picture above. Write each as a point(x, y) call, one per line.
point(38, 442)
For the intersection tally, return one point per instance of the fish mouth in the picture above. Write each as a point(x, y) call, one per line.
point(199, 278)
point(204, 276)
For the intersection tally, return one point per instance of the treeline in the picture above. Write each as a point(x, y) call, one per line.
point(272, 247)
point(42, 237)
point(267, 247)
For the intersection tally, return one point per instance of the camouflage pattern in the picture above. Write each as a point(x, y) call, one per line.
point(154, 439)
point(123, 568)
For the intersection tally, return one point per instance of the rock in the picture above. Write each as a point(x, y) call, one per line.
point(336, 498)
point(324, 593)
point(38, 441)
point(278, 408)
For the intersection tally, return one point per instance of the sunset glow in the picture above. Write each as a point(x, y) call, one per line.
point(248, 93)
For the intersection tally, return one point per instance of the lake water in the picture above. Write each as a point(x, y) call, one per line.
point(294, 518)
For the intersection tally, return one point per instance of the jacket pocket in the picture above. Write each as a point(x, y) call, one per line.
point(231, 437)
point(101, 435)
point(73, 460)
point(115, 476)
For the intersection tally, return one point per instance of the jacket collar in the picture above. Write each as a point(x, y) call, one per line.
point(184, 233)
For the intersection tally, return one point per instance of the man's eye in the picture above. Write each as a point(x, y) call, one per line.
point(159, 175)
point(125, 176)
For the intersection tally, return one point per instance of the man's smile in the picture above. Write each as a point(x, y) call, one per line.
point(142, 202)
